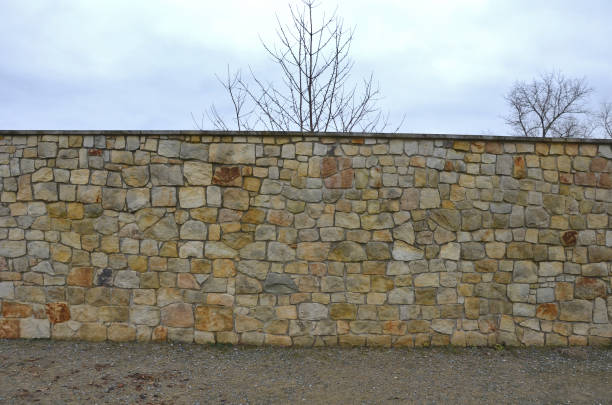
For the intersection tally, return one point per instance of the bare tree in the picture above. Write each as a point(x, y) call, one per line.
point(238, 97)
point(604, 118)
point(550, 106)
point(315, 94)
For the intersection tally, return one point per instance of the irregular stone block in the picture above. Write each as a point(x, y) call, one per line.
point(137, 198)
point(525, 272)
point(472, 251)
point(343, 311)
point(403, 295)
point(279, 283)
point(57, 312)
point(136, 176)
point(197, 151)
point(16, 310)
point(198, 173)
point(378, 251)
point(165, 229)
point(45, 191)
point(430, 198)
point(547, 311)
point(347, 251)
point(247, 285)
point(377, 221)
point(536, 217)
point(576, 311)
point(113, 198)
point(600, 254)
point(214, 318)
point(589, 288)
point(7, 290)
point(313, 251)
point(405, 252)
point(127, 279)
point(280, 252)
point(228, 176)
point(312, 311)
point(191, 197)
point(145, 315)
point(236, 199)
point(163, 197)
point(166, 175)
point(12, 248)
point(31, 328)
point(229, 153)
point(169, 148)
point(177, 315)
point(80, 276)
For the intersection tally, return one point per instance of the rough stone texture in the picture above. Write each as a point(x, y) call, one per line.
point(213, 318)
point(304, 240)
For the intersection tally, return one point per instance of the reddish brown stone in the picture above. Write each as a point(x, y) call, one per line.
point(494, 148)
point(57, 312)
point(358, 141)
point(344, 163)
point(448, 166)
point(9, 328)
point(605, 181)
point(569, 238)
point(547, 311)
point(188, 281)
point(94, 152)
point(281, 218)
point(520, 170)
point(160, 334)
point(585, 179)
point(214, 318)
point(80, 276)
point(565, 178)
point(564, 291)
point(227, 176)
point(599, 164)
point(394, 328)
point(589, 288)
point(328, 166)
point(16, 310)
point(344, 179)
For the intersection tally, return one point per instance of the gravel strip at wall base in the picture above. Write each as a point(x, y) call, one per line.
point(79, 372)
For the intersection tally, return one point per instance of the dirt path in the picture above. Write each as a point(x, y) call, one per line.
point(75, 372)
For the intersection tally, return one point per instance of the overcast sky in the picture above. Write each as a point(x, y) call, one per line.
point(148, 64)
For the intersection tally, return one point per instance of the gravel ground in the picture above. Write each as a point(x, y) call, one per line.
point(78, 372)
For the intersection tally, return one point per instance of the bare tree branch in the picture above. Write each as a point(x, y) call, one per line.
point(604, 118)
point(551, 105)
point(314, 93)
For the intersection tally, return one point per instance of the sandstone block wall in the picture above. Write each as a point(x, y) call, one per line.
point(286, 239)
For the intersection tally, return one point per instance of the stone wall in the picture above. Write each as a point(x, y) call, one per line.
point(281, 239)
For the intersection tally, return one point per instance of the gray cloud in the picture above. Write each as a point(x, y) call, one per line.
point(93, 64)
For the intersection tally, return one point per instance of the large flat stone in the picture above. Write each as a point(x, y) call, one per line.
point(232, 153)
